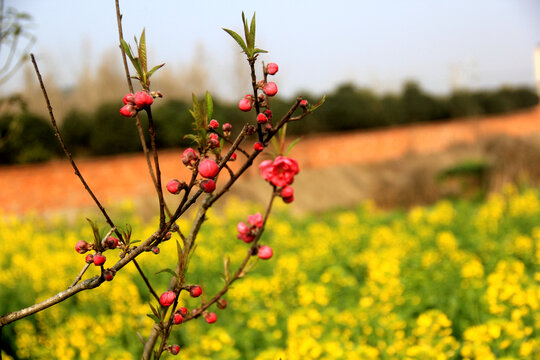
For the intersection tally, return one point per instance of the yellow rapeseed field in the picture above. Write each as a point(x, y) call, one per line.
point(457, 280)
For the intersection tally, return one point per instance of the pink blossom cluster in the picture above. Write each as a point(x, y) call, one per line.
point(247, 232)
point(279, 172)
point(135, 103)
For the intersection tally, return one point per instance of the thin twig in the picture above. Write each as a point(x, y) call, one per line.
point(66, 151)
point(78, 278)
point(251, 62)
point(148, 285)
point(156, 166)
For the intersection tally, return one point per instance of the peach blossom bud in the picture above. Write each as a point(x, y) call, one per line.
point(99, 259)
point(303, 103)
point(258, 146)
point(195, 291)
point(270, 89)
point(210, 318)
point(174, 186)
point(129, 99)
point(245, 104)
point(208, 185)
point(143, 100)
point(82, 246)
point(272, 68)
point(213, 124)
point(261, 118)
point(189, 157)
point(208, 168)
point(265, 252)
point(167, 298)
point(128, 111)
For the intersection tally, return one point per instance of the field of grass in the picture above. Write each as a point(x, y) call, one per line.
point(453, 281)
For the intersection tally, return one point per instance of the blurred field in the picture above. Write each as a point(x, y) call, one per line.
point(342, 169)
point(453, 281)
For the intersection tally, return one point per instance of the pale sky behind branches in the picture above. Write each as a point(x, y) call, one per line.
point(318, 44)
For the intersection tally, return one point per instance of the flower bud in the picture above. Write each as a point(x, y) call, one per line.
point(210, 318)
point(258, 146)
point(82, 246)
point(270, 88)
point(213, 141)
point(178, 319)
point(288, 200)
point(128, 111)
point(233, 157)
point(129, 99)
point(174, 186)
point(208, 168)
point(109, 274)
point(174, 349)
point(167, 298)
point(182, 311)
point(99, 259)
point(268, 114)
point(155, 250)
point(272, 68)
point(226, 129)
point(213, 124)
point(111, 242)
point(89, 258)
point(303, 103)
point(250, 130)
point(265, 252)
point(287, 191)
point(261, 118)
point(143, 100)
point(208, 185)
point(189, 157)
point(221, 304)
point(245, 104)
point(195, 291)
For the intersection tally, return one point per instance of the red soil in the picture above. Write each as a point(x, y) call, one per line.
point(53, 185)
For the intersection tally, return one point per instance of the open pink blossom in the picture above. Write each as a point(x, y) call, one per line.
point(256, 220)
point(279, 172)
point(244, 232)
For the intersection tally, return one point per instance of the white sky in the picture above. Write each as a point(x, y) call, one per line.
point(318, 44)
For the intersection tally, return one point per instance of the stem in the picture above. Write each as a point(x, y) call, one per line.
point(66, 151)
point(148, 285)
point(130, 86)
point(78, 278)
point(152, 132)
point(251, 62)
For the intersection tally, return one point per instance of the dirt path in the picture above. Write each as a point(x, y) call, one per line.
point(53, 186)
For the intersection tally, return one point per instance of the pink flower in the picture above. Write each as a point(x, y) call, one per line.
point(279, 172)
point(244, 232)
point(256, 220)
point(142, 100)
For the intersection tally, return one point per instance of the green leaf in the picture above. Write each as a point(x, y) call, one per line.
point(126, 49)
point(250, 45)
point(153, 317)
point(197, 113)
point(155, 311)
point(257, 50)
point(314, 107)
point(154, 69)
point(168, 271)
point(291, 145)
point(252, 30)
point(275, 144)
point(209, 106)
point(179, 251)
point(138, 67)
point(97, 237)
point(238, 39)
point(135, 241)
point(193, 138)
point(142, 51)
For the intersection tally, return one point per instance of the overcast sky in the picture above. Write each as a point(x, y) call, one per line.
point(318, 43)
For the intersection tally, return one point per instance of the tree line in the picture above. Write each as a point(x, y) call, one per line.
point(28, 138)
